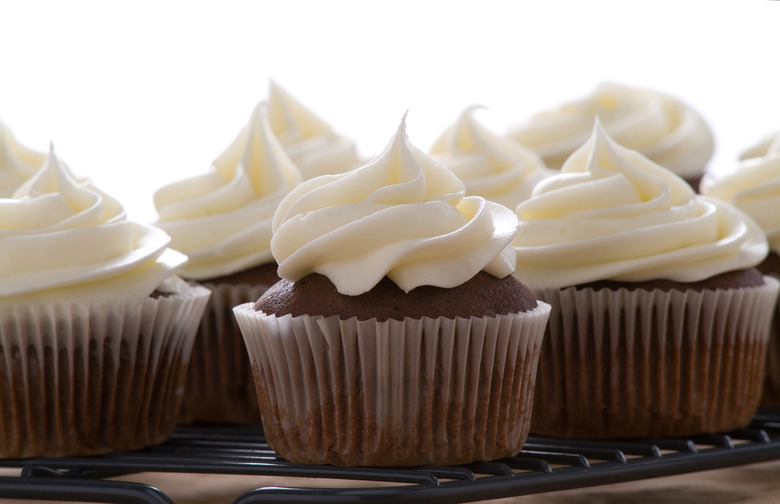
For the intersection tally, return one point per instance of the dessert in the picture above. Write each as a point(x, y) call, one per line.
point(222, 221)
point(662, 127)
point(754, 187)
point(17, 162)
point(95, 328)
point(494, 167)
point(310, 142)
point(397, 335)
point(660, 320)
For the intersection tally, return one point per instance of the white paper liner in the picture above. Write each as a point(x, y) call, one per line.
point(417, 391)
point(220, 387)
point(771, 395)
point(639, 362)
point(89, 378)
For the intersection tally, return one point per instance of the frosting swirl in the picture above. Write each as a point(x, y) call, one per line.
point(222, 219)
point(401, 215)
point(496, 168)
point(612, 214)
point(64, 241)
point(661, 127)
point(17, 162)
point(754, 187)
point(760, 148)
point(309, 141)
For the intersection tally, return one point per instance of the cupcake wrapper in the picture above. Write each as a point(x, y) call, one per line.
point(220, 387)
point(651, 363)
point(417, 391)
point(89, 378)
point(771, 395)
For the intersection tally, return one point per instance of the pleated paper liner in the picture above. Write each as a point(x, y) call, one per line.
point(771, 395)
point(410, 392)
point(651, 363)
point(220, 387)
point(90, 378)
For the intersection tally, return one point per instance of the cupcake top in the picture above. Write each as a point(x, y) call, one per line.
point(17, 162)
point(661, 127)
point(309, 141)
point(494, 167)
point(754, 187)
point(65, 241)
point(222, 219)
point(401, 216)
point(612, 214)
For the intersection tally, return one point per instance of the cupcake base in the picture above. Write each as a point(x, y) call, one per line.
point(394, 392)
point(631, 363)
point(84, 379)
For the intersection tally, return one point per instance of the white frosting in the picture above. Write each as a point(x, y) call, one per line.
point(760, 148)
point(402, 215)
point(65, 241)
point(754, 187)
point(222, 219)
point(17, 162)
point(661, 127)
point(612, 214)
point(309, 141)
point(494, 167)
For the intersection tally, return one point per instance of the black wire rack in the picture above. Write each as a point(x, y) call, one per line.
point(544, 465)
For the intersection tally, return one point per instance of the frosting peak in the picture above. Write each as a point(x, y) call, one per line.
point(612, 214)
point(222, 219)
point(61, 240)
point(17, 162)
point(309, 141)
point(490, 166)
point(401, 215)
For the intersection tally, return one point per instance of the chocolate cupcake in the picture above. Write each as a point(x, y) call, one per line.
point(754, 187)
point(662, 127)
point(660, 320)
point(388, 343)
point(222, 221)
point(95, 328)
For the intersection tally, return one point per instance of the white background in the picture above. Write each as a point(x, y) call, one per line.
point(138, 94)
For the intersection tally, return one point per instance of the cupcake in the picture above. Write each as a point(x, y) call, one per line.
point(397, 335)
point(95, 328)
point(660, 319)
point(310, 142)
point(491, 166)
point(222, 221)
point(17, 162)
point(754, 187)
point(663, 128)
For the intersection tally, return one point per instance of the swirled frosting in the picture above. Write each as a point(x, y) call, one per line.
point(612, 214)
point(661, 127)
point(64, 241)
point(17, 162)
point(401, 215)
point(754, 187)
point(491, 166)
point(309, 141)
point(760, 148)
point(222, 219)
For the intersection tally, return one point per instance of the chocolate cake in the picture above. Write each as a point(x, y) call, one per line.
point(482, 296)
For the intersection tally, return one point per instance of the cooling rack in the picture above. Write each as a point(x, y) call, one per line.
point(545, 465)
